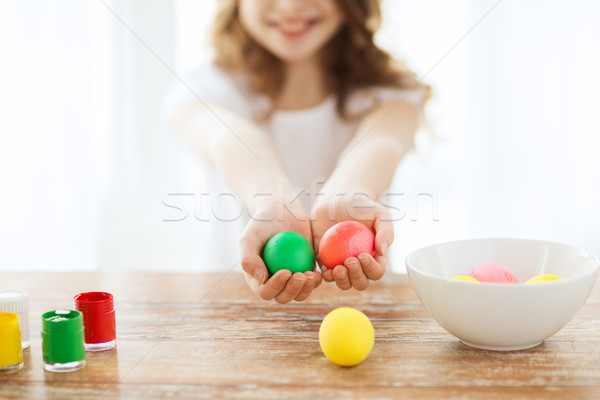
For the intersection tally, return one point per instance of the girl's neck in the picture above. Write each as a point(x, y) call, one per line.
point(303, 86)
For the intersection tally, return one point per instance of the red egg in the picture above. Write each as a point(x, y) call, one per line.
point(343, 240)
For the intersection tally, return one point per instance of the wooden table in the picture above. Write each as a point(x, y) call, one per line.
point(207, 336)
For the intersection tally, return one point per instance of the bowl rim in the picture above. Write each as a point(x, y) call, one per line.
point(591, 255)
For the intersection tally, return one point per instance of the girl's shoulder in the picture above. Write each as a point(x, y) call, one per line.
point(208, 83)
point(209, 76)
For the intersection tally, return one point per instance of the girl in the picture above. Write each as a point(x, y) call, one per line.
point(300, 114)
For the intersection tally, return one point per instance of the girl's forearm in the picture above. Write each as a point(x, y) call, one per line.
point(237, 149)
point(248, 164)
point(367, 165)
point(366, 169)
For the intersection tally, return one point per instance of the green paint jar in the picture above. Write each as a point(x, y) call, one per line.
point(62, 340)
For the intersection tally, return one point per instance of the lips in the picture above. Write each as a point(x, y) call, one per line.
point(293, 27)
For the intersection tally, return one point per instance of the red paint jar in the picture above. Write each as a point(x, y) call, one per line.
point(98, 319)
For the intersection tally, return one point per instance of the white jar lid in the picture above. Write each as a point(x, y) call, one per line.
point(13, 300)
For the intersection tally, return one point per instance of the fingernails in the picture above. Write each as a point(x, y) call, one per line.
point(297, 284)
point(338, 272)
point(259, 275)
point(364, 258)
point(283, 277)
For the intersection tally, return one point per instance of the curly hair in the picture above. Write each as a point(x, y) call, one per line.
point(351, 58)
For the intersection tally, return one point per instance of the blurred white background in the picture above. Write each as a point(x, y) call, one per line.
point(86, 162)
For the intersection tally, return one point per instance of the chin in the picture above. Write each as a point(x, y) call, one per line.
point(293, 56)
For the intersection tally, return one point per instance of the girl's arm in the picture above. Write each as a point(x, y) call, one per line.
point(245, 158)
point(235, 147)
point(363, 173)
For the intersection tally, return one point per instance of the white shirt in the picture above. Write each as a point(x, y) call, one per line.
point(308, 143)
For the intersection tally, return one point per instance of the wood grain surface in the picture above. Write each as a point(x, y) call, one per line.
point(205, 336)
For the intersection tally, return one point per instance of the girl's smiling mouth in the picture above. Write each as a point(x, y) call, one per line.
point(293, 27)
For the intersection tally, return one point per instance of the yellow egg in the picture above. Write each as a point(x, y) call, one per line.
point(544, 278)
point(346, 336)
point(464, 278)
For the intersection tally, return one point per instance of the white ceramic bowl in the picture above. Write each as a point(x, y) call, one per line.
point(497, 316)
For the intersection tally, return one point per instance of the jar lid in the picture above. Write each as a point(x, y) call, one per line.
point(94, 302)
point(13, 300)
point(62, 321)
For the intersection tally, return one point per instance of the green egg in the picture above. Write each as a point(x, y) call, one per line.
point(288, 250)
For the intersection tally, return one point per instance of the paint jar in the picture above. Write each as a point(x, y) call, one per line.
point(11, 353)
point(98, 320)
point(16, 301)
point(62, 341)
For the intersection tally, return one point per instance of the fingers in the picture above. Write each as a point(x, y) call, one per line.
point(251, 282)
point(357, 271)
point(274, 285)
point(373, 269)
point(309, 285)
point(318, 278)
point(384, 231)
point(292, 288)
point(340, 275)
point(252, 263)
point(357, 277)
point(354, 272)
point(378, 264)
point(327, 274)
point(254, 266)
point(284, 287)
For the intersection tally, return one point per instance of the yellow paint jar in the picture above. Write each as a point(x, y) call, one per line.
point(11, 354)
